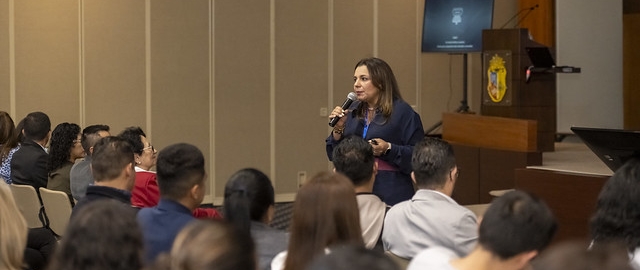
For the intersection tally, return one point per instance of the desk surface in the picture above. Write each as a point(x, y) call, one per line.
point(573, 157)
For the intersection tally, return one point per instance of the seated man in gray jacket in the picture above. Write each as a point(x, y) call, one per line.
point(431, 218)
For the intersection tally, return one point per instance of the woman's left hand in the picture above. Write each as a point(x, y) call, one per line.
point(380, 146)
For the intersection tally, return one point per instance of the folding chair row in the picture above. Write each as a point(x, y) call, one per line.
point(52, 209)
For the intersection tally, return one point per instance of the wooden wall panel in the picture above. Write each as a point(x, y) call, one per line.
point(541, 21)
point(441, 86)
point(301, 83)
point(631, 69)
point(114, 37)
point(397, 43)
point(47, 59)
point(180, 74)
point(5, 104)
point(352, 41)
point(241, 83)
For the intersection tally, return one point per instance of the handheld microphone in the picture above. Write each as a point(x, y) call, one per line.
point(517, 14)
point(347, 102)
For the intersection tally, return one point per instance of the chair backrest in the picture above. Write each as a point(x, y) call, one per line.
point(402, 262)
point(478, 209)
point(29, 205)
point(58, 208)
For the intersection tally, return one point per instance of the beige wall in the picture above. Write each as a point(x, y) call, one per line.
point(243, 80)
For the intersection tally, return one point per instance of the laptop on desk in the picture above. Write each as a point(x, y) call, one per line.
point(540, 57)
point(613, 146)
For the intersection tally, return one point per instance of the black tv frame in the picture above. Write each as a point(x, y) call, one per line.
point(613, 146)
point(445, 32)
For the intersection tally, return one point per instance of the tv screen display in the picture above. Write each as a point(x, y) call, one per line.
point(455, 26)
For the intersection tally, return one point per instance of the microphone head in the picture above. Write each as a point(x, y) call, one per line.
point(352, 96)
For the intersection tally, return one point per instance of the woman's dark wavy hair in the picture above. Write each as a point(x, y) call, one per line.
point(247, 197)
point(617, 215)
point(62, 139)
point(8, 135)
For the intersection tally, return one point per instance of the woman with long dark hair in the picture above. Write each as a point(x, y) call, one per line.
point(325, 214)
point(8, 145)
point(64, 149)
point(249, 205)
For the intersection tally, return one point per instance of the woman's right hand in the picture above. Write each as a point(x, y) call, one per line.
point(339, 112)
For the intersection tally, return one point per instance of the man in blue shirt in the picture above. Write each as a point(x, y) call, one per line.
point(181, 179)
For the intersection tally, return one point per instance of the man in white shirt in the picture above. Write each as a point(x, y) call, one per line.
point(515, 228)
point(354, 158)
point(431, 218)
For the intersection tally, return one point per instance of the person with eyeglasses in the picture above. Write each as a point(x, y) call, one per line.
point(146, 192)
point(64, 149)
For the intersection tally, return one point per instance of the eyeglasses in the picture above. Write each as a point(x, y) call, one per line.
point(149, 147)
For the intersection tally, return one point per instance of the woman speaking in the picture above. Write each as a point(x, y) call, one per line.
point(388, 123)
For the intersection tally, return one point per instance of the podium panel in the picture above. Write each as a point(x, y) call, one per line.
point(504, 64)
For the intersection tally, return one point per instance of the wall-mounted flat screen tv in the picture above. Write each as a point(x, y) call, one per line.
point(455, 26)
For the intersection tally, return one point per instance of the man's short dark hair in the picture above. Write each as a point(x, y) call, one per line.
point(36, 126)
point(354, 158)
point(516, 222)
point(179, 168)
point(110, 155)
point(90, 136)
point(432, 161)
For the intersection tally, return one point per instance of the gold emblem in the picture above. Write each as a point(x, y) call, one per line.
point(497, 79)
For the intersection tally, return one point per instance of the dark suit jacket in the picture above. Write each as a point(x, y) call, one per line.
point(29, 165)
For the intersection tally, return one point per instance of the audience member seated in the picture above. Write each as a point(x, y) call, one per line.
point(41, 243)
point(515, 228)
point(21, 247)
point(20, 131)
point(209, 244)
point(145, 191)
point(181, 178)
point(431, 218)
point(29, 163)
point(325, 214)
point(249, 204)
point(13, 231)
point(64, 149)
point(112, 167)
point(573, 255)
point(8, 145)
point(617, 213)
point(354, 158)
point(104, 235)
point(80, 175)
point(353, 258)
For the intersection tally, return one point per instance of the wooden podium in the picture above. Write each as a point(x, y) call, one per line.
point(505, 90)
point(488, 149)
